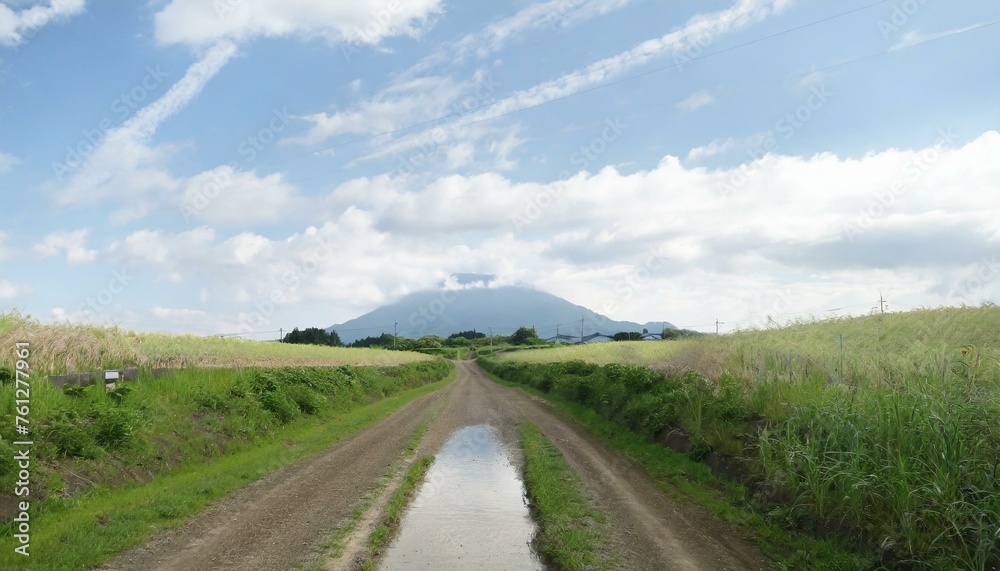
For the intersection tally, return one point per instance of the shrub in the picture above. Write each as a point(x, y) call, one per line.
point(212, 400)
point(120, 392)
point(70, 436)
point(278, 403)
point(308, 400)
point(75, 391)
point(114, 427)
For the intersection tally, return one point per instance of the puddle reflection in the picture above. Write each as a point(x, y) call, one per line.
point(470, 513)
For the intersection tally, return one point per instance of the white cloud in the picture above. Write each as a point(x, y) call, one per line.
point(716, 147)
point(915, 37)
point(149, 247)
point(73, 244)
point(124, 166)
point(497, 35)
point(10, 290)
point(198, 23)
point(399, 104)
point(7, 161)
point(4, 251)
point(593, 234)
point(677, 43)
point(696, 101)
point(15, 26)
point(224, 196)
point(714, 24)
point(176, 313)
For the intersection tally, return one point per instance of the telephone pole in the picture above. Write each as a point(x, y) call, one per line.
point(395, 329)
point(717, 324)
point(491, 340)
point(881, 303)
point(581, 330)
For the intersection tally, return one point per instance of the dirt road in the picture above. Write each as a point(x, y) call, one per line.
point(284, 519)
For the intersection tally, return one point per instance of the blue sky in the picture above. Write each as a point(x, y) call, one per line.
point(245, 165)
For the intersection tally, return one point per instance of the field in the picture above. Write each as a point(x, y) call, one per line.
point(883, 430)
point(623, 352)
point(62, 348)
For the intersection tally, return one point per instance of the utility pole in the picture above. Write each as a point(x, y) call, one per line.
point(281, 334)
point(717, 324)
point(491, 340)
point(881, 303)
point(581, 330)
point(395, 329)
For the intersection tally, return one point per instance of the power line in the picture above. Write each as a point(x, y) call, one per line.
point(622, 80)
point(581, 92)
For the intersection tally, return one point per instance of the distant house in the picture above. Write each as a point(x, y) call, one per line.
point(596, 338)
point(563, 338)
point(652, 337)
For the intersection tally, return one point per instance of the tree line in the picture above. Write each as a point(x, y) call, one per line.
point(472, 338)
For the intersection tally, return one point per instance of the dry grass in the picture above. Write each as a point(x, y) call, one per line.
point(61, 348)
point(880, 349)
point(623, 352)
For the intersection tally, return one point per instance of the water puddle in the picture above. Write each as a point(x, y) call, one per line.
point(470, 513)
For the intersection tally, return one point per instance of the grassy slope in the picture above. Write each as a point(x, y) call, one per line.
point(892, 443)
point(60, 348)
point(85, 530)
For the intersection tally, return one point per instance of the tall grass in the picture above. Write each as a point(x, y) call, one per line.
point(61, 348)
point(891, 439)
point(621, 352)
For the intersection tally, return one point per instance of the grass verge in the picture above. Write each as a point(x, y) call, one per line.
point(335, 545)
point(86, 530)
point(383, 533)
point(683, 478)
point(572, 534)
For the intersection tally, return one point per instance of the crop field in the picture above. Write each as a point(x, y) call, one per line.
point(882, 430)
point(61, 348)
point(623, 352)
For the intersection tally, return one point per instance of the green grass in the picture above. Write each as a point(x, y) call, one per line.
point(383, 533)
point(890, 444)
point(85, 529)
point(572, 535)
point(682, 478)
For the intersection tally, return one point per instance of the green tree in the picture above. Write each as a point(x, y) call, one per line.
point(525, 336)
point(470, 335)
point(627, 336)
point(312, 336)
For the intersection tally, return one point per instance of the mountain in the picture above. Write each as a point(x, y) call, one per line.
point(504, 309)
